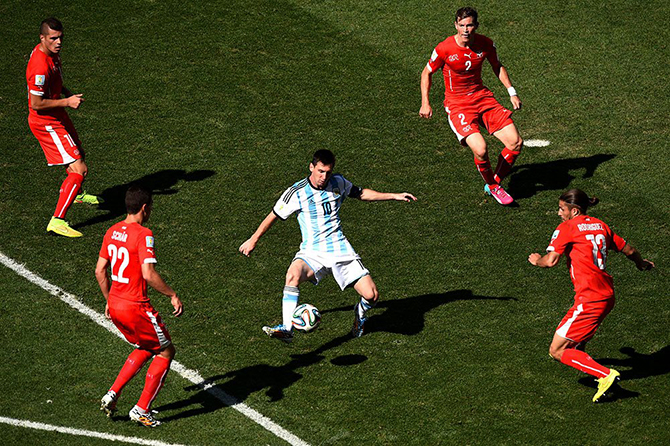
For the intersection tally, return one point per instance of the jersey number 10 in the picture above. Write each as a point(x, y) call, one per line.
point(123, 255)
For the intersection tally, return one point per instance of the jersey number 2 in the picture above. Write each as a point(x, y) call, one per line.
point(119, 254)
point(599, 247)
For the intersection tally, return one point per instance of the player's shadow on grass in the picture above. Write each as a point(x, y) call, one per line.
point(527, 180)
point(635, 366)
point(160, 183)
point(407, 316)
point(238, 384)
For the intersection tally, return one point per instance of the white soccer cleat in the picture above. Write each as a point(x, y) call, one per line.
point(143, 418)
point(108, 403)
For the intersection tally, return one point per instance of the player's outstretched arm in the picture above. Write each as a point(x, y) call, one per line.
point(39, 103)
point(547, 261)
point(103, 280)
point(247, 247)
point(373, 195)
point(635, 257)
point(426, 111)
point(156, 282)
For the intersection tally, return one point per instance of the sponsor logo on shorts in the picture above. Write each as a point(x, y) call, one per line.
point(39, 79)
point(150, 241)
point(467, 128)
point(76, 152)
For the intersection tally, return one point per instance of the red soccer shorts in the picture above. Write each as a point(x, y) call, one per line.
point(140, 323)
point(583, 319)
point(479, 108)
point(59, 141)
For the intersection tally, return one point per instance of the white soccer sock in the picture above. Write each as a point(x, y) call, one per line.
point(364, 307)
point(288, 304)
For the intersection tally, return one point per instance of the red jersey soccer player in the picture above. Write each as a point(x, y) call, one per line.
point(129, 248)
point(470, 104)
point(585, 241)
point(51, 125)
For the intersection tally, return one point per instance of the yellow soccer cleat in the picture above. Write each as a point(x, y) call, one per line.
point(61, 227)
point(605, 383)
point(87, 198)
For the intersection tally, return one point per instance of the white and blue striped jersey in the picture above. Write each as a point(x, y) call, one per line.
point(319, 214)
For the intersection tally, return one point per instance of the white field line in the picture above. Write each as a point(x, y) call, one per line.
point(536, 143)
point(82, 432)
point(189, 374)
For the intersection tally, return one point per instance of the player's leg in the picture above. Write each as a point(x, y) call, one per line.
point(131, 367)
point(298, 272)
point(76, 171)
point(509, 136)
point(369, 296)
point(156, 374)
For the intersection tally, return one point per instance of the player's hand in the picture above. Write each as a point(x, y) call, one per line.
point(247, 247)
point(404, 196)
point(107, 315)
point(645, 265)
point(426, 111)
point(75, 101)
point(533, 258)
point(516, 102)
point(178, 306)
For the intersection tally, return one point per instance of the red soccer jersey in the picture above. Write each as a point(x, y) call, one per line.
point(45, 78)
point(127, 246)
point(461, 66)
point(585, 241)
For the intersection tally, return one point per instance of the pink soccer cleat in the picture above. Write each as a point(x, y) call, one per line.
point(500, 195)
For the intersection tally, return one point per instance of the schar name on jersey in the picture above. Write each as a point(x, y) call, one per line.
point(120, 236)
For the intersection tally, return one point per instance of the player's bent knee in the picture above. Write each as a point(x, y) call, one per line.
point(556, 353)
point(168, 352)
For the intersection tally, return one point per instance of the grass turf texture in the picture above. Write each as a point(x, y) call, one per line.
point(219, 107)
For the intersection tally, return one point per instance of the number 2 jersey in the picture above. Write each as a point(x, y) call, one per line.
point(585, 241)
point(128, 246)
point(462, 66)
point(318, 214)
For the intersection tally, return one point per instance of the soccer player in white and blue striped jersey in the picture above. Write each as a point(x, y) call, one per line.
point(324, 249)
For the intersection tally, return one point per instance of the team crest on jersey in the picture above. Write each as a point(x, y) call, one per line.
point(555, 234)
point(39, 79)
point(150, 241)
point(453, 57)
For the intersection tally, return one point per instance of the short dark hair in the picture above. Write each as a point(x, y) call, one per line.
point(136, 197)
point(50, 23)
point(466, 12)
point(324, 156)
point(576, 198)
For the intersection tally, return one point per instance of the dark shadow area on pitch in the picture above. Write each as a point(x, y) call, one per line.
point(527, 180)
point(237, 385)
point(160, 183)
point(407, 316)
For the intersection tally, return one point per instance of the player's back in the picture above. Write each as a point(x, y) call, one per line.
point(590, 239)
point(127, 246)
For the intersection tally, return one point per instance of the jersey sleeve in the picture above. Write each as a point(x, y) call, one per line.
point(436, 60)
point(618, 241)
point(560, 239)
point(37, 75)
point(145, 247)
point(492, 55)
point(349, 189)
point(287, 204)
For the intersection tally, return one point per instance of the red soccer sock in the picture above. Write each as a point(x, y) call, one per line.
point(505, 162)
point(134, 364)
point(484, 168)
point(68, 191)
point(583, 362)
point(156, 374)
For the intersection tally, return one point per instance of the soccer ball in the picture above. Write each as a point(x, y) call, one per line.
point(306, 318)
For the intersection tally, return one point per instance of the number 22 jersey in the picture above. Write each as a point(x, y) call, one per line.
point(585, 241)
point(128, 246)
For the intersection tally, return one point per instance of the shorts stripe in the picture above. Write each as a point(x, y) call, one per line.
point(67, 159)
point(162, 340)
point(563, 330)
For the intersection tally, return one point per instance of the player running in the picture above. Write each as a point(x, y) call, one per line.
point(470, 104)
point(585, 241)
point(51, 125)
point(129, 248)
point(324, 249)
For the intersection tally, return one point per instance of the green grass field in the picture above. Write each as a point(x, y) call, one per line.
point(218, 106)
